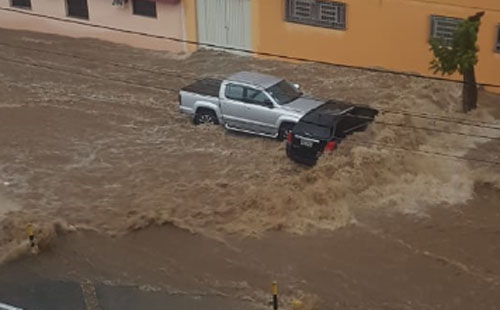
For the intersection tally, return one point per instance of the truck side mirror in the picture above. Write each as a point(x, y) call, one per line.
point(269, 104)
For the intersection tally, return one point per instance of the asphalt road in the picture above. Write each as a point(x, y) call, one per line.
point(28, 291)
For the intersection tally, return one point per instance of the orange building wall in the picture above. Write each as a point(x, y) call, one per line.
point(391, 34)
point(191, 32)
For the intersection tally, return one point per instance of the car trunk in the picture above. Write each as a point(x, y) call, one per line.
point(308, 140)
point(307, 147)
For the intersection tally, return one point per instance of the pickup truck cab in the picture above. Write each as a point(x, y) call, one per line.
point(248, 102)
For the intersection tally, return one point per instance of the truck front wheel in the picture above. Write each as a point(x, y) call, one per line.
point(205, 116)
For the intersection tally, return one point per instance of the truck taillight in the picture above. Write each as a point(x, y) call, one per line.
point(289, 137)
point(330, 146)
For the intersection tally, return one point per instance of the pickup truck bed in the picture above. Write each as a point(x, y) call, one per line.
point(205, 87)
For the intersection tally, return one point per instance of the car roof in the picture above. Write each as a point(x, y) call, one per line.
point(254, 78)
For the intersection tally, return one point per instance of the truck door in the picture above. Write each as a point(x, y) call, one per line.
point(233, 106)
point(261, 115)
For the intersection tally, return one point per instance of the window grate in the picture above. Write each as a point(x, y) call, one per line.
point(25, 4)
point(301, 9)
point(317, 13)
point(444, 28)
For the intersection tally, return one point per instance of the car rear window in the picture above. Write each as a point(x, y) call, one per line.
point(313, 130)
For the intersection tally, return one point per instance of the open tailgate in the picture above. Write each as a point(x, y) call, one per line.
point(355, 119)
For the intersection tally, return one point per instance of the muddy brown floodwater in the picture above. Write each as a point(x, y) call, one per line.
point(123, 189)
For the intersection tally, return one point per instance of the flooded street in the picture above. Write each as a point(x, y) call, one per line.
point(123, 190)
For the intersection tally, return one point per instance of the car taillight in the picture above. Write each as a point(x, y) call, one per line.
point(330, 146)
point(289, 137)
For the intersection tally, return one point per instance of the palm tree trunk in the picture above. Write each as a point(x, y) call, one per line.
point(469, 92)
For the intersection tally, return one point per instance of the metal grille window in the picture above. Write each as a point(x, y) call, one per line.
point(25, 4)
point(497, 47)
point(144, 8)
point(444, 28)
point(78, 8)
point(317, 13)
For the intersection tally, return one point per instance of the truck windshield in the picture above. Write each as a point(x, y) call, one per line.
point(284, 92)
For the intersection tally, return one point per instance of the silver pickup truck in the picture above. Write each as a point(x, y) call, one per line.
point(248, 102)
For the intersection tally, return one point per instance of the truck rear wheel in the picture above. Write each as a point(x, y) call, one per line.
point(205, 116)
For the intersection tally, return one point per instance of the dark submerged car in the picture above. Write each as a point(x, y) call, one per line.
point(323, 128)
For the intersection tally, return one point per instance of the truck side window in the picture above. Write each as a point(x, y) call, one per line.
point(256, 97)
point(234, 92)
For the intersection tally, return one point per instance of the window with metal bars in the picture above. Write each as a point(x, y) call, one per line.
point(497, 46)
point(78, 8)
point(444, 28)
point(144, 8)
point(317, 13)
point(25, 4)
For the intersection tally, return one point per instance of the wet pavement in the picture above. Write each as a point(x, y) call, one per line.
point(28, 291)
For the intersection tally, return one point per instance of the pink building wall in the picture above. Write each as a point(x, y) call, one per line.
point(169, 22)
